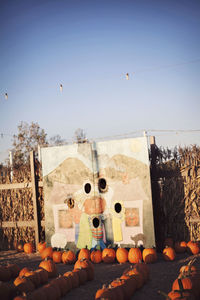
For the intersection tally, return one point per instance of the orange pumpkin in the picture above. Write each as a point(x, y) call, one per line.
point(134, 255)
point(182, 283)
point(41, 246)
point(68, 257)
point(85, 264)
point(57, 256)
point(144, 269)
point(96, 256)
point(149, 255)
point(104, 293)
point(47, 253)
point(73, 277)
point(20, 247)
point(49, 266)
point(193, 247)
point(28, 248)
point(180, 247)
point(169, 254)
point(178, 295)
point(23, 271)
point(84, 253)
point(138, 275)
point(24, 285)
point(108, 255)
point(122, 255)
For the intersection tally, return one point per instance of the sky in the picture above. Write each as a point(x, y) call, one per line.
point(88, 47)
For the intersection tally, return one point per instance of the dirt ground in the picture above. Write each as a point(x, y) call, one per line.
point(162, 274)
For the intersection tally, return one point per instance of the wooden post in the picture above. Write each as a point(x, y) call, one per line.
point(34, 198)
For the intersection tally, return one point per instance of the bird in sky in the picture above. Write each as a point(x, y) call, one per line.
point(6, 96)
point(61, 87)
point(127, 76)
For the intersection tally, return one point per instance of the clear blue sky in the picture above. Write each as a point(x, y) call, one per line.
point(89, 46)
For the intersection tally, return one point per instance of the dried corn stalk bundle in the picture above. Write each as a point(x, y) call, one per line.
point(16, 205)
point(179, 174)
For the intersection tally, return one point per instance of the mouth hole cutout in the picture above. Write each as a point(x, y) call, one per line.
point(87, 188)
point(118, 207)
point(95, 222)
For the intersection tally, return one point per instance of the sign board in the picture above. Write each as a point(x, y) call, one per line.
point(98, 194)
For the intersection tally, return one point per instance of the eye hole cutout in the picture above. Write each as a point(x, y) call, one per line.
point(102, 185)
point(95, 222)
point(118, 207)
point(70, 202)
point(87, 188)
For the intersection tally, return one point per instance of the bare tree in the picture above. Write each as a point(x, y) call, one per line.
point(80, 136)
point(27, 139)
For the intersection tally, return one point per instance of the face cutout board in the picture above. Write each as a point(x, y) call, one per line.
point(98, 194)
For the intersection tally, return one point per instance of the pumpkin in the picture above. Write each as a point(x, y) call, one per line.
point(63, 285)
point(34, 277)
point(193, 247)
point(41, 246)
point(96, 256)
point(74, 278)
point(134, 255)
point(28, 248)
point(57, 256)
point(144, 269)
point(130, 284)
point(23, 271)
point(82, 274)
point(178, 295)
point(169, 254)
point(149, 255)
point(5, 273)
point(183, 283)
point(122, 255)
point(49, 266)
point(84, 253)
point(47, 253)
point(180, 247)
point(20, 247)
point(108, 255)
point(105, 293)
point(85, 264)
point(68, 278)
point(43, 275)
point(138, 275)
point(119, 288)
point(24, 285)
point(188, 269)
point(68, 257)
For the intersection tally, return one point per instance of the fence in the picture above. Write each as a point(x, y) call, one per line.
point(22, 205)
